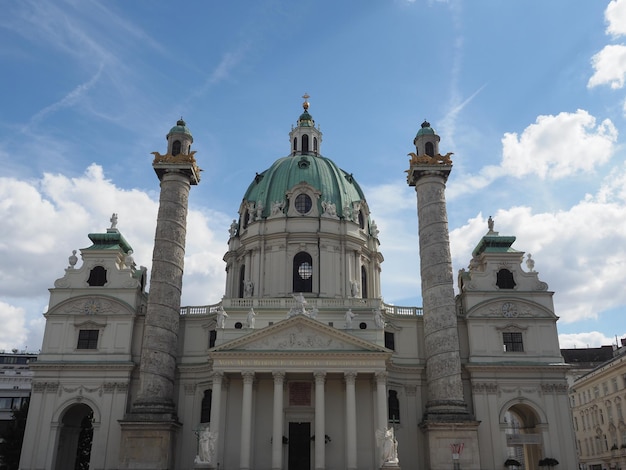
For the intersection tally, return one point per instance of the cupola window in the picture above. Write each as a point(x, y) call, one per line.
point(430, 149)
point(305, 143)
point(295, 144)
point(176, 148)
point(303, 272)
point(505, 279)
point(315, 144)
point(303, 203)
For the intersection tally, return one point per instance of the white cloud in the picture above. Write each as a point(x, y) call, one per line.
point(13, 332)
point(615, 16)
point(558, 146)
point(554, 147)
point(610, 67)
point(591, 339)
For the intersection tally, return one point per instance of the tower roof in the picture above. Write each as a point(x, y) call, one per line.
point(425, 129)
point(179, 128)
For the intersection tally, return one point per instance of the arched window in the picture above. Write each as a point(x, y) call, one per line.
point(302, 272)
point(361, 220)
point(176, 147)
point(363, 282)
point(97, 276)
point(315, 144)
point(393, 405)
point(295, 144)
point(242, 277)
point(205, 408)
point(430, 149)
point(305, 143)
point(505, 279)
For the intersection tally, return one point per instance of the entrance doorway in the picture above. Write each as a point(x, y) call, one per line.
point(299, 446)
point(76, 434)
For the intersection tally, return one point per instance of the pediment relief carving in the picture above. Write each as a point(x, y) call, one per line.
point(299, 333)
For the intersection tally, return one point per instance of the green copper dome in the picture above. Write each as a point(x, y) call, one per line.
point(336, 186)
point(179, 128)
point(306, 120)
point(426, 129)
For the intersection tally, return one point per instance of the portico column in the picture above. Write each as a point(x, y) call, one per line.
point(216, 404)
point(381, 399)
point(277, 429)
point(350, 378)
point(246, 420)
point(320, 431)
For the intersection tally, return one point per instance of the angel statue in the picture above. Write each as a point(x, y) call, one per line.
point(206, 446)
point(388, 446)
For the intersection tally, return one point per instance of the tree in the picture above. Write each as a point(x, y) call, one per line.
point(12, 437)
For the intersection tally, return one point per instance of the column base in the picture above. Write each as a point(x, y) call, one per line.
point(147, 445)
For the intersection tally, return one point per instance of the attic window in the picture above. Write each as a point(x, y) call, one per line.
point(350, 178)
point(258, 178)
point(505, 279)
point(97, 277)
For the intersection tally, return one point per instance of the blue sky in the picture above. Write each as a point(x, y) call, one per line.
point(529, 95)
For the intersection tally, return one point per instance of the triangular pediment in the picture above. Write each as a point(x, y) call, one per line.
point(299, 333)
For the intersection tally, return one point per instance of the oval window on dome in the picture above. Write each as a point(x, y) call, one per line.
point(303, 203)
point(305, 270)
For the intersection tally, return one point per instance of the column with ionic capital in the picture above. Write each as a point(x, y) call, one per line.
point(246, 420)
point(277, 428)
point(350, 377)
point(320, 426)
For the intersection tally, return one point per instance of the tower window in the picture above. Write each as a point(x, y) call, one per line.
point(205, 408)
point(505, 279)
point(242, 284)
point(315, 144)
point(303, 272)
point(390, 340)
point(430, 149)
point(295, 144)
point(303, 203)
point(88, 339)
point(305, 143)
point(176, 148)
point(97, 276)
point(513, 342)
point(393, 405)
point(363, 282)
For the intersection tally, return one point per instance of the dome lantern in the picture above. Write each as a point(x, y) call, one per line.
point(305, 137)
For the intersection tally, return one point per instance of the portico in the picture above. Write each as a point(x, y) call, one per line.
point(288, 367)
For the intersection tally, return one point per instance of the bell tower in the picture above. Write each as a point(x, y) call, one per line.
point(149, 430)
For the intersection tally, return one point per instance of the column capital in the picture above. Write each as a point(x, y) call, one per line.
point(217, 376)
point(279, 376)
point(320, 376)
point(248, 376)
point(350, 376)
point(381, 376)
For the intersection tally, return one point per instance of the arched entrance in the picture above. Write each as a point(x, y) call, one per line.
point(523, 435)
point(75, 436)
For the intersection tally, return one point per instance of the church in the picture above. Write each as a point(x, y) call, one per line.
point(301, 365)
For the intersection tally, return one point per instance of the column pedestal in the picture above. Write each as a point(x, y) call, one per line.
point(148, 445)
point(439, 437)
